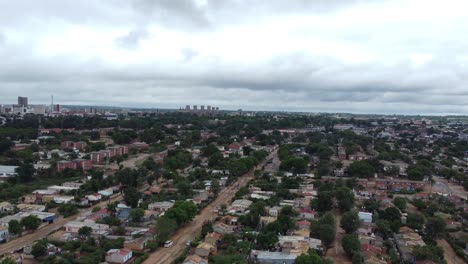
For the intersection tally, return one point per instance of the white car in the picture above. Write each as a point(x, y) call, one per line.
point(168, 243)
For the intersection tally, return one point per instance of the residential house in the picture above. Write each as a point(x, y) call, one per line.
point(213, 238)
point(273, 211)
point(118, 256)
point(365, 217)
point(194, 259)
point(6, 207)
point(303, 224)
point(307, 214)
point(4, 233)
point(239, 206)
point(160, 206)
point(222, 228)
point(205, 249)
point(267, 257)
point(137, 244)
point(97, 229)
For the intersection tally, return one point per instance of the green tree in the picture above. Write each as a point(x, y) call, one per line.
point(25, 172)
point(14, 227)
point(30, 222)
point(429, 252)
point(131, 197)
point(350, 222)
point(400, 203)
point(39, 249)
point(351, 244)
point(391, 214)
point(85, 231)
point(294, 165)
point(182, 212)
point(415, 221)
point(267, 240)
point(165, 227)
point(8, 260)
point(345, 198)
point(137, 214)
point(361, 169)
point(308, 259)
point(67, 210)
point(435, 226)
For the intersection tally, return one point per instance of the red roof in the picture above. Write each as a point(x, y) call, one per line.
point(306, 210)
point(303, 222)
point(372, 248)
point(233, 146)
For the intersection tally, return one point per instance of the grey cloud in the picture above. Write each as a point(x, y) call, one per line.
point(298, 80)
point(174, 13)
point(188, 54)
point(132, 39)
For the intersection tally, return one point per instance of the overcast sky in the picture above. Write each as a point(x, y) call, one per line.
point(297, 55)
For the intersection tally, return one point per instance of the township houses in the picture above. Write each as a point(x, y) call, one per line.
point(307, 214)
point(43, 216)
point(303, 225)
point(79, 145)
point(93, 217)
point(406, 241)
point(267, 257)
point(239, 206)
point(74, 164)
point(205, 249)
point(119, 256)
point(341, 153)
point(97, 229)
point(222, 228)
point(235, 147)
point(160, 206)
point(398, 185)
point(298, 245)
point(365, 217)
point(194, 259)
point(6, 207)
point(62, 188)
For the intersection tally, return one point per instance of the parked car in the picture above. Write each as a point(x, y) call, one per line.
point(168, 243)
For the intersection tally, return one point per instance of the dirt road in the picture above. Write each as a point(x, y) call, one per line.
point(337, 253)
point(449, 255)
point(21, 242)
point(189, 232)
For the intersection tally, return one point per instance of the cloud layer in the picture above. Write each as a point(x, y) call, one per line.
point(335, 56)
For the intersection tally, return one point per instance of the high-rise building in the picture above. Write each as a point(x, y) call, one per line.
point(195, 107)
point(57, 108)
point(22, 101)
point(202, 108)
point(208, 108)
point(187, 107)
point(39, 109)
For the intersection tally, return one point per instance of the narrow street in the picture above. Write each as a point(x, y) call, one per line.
point(449, 254)
point(189, 232)
point(337, 253)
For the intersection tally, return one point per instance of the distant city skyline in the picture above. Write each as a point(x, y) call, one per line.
point(384, 57)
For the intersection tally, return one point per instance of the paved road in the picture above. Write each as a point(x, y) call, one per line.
point(189, 232)
point(21, 242)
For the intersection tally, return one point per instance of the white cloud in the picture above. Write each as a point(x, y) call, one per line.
point(359, 56)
